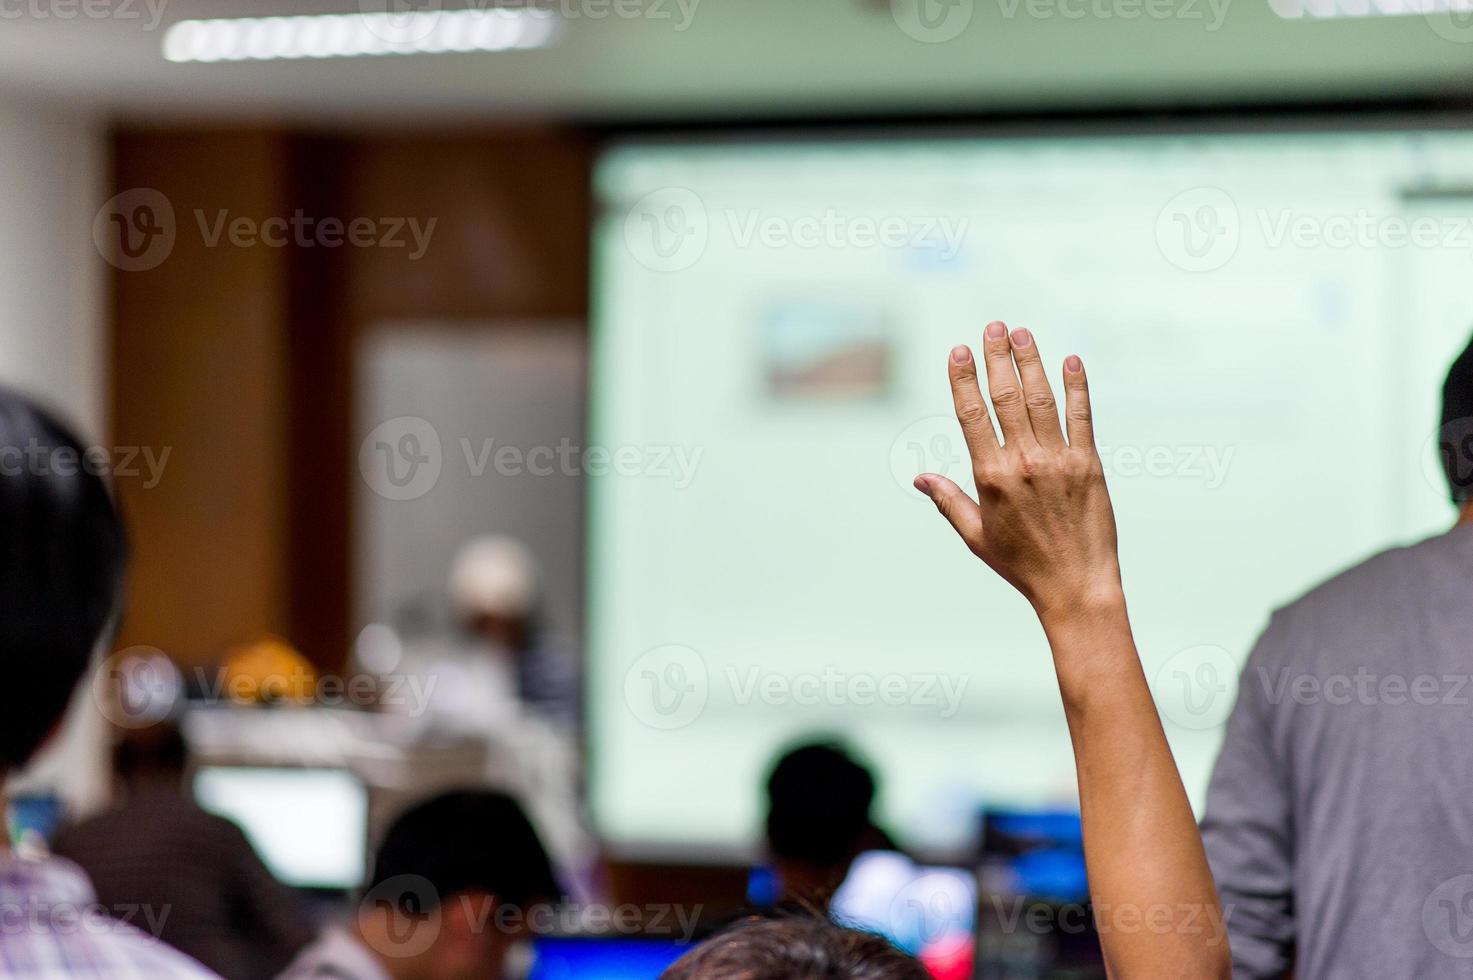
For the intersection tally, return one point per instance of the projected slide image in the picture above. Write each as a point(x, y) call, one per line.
point(819, 349)
point(1238, 298)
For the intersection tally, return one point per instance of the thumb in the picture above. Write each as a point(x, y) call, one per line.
point(962, 511)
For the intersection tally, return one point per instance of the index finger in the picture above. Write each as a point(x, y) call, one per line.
point(971, 407)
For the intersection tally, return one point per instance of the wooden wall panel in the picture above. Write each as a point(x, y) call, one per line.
point(511, 232)
point(240, 359)
point(198, 369)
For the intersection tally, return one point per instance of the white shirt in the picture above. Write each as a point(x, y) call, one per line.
point(336, 955)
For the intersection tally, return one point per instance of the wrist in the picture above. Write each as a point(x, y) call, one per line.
point(1086, 606)
point(1093, 650)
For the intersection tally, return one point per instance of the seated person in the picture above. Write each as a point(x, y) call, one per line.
point(1043, 522)
point(818, 821)
point(795, 948)
point(225, 908)
point(451, 889)
point(61, 571)
point(509, 652)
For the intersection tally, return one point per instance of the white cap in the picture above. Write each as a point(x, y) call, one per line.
point(493, 575)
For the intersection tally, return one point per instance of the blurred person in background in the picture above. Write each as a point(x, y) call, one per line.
point(267, 671)
point(62, 559)
point(158, 849)
point(795, 948)
point(1340, 802)
point(453, 884)
point(818, 821)
point(501, 678)
point(508, 655)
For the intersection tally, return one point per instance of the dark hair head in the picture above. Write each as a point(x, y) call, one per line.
point(468, 841)
point(795, 948)
point(1455, 442)
point(62, 554)
point(819, 802)
point(158, 750)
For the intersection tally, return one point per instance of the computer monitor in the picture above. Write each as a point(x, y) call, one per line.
point(34, 817)
point(310, 826)
point(608, 958)
point(930, 912)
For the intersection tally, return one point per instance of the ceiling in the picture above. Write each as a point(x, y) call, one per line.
point(625, 59)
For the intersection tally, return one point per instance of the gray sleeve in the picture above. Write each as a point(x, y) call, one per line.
point(1248, 826)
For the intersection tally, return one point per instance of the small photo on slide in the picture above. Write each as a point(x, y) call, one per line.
point(826, 349)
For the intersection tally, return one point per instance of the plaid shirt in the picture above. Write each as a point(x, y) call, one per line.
point(52, 928)
point(224, 908)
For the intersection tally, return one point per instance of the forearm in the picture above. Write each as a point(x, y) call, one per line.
point(1043, 521)
point(1155, 902)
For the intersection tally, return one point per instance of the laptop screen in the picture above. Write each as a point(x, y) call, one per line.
point(310, 826)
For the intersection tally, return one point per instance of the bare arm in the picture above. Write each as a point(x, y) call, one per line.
point(1043, 522)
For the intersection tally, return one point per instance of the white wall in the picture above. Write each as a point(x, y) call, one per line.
point(52, 337)
point(51, 276)
point(518, 385)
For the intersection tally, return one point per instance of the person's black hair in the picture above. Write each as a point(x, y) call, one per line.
point(158, 750)
point(62, 555)
point(461, 842)
point(819, 802)
point(1456, 436)
point(1455, 440)
point(800, 947)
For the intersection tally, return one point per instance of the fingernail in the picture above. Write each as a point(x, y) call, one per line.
point(1021, 337)
point(1073, 364)
point(996, 330)
point(922, 484)
point(960, 354)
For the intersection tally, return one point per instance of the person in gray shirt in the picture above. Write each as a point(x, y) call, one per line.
point(1339, 820)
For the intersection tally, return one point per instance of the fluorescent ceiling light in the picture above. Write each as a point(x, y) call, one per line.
point(1324, 9)
point(356, 35)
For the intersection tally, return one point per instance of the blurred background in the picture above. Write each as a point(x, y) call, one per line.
point(529, 395)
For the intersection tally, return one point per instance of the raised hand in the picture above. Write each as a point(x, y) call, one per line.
point(1042, 518)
